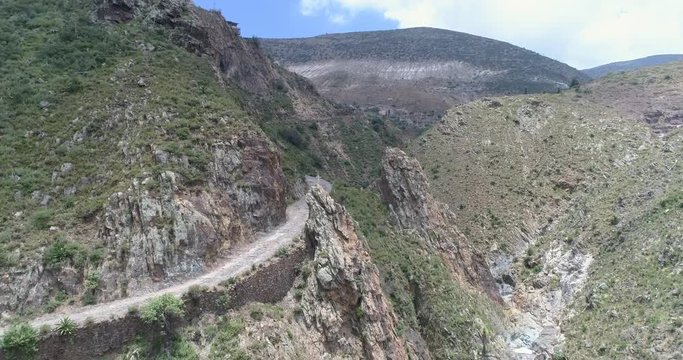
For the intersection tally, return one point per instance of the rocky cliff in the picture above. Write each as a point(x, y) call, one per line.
point(336, 308)
point(404, 188)
point(236, 60)
point(343, 298)
point(172, 232)
point(159, 230)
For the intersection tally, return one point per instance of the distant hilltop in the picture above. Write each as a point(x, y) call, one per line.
point(418, 69)
point(602, 70)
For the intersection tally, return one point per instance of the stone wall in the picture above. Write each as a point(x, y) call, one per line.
point(268, 283)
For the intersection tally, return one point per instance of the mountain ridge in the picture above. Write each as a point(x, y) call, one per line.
point(417, 70)
point(634, 64)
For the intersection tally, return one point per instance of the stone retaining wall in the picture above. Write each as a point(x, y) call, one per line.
point(268, 283)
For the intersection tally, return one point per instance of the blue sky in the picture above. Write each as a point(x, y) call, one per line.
point(285, 19)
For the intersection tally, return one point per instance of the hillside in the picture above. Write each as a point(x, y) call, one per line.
point(422, 70)
point(154, 195)
point(140, 141)
point(144, 143)
point(602, 70)
point(652, 95)
point(559, 190)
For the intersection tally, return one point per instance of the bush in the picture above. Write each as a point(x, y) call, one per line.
point(161, 309)
point(559, 355)
point(61, 251)
point(294, 137)
point(282, 252)
point(256, 314)
point(181, 350)
point(226, 344)
point(224, 300)
point(20, 341)
point(66, 327)
point(92, 284)
point(195, 292)
point(41, 219)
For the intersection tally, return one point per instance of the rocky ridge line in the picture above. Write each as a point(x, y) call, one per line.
point(405, 189)
point(343, 298)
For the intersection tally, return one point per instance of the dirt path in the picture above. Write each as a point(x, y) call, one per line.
point(240, 260)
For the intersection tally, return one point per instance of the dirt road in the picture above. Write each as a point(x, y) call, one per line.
point(240, 260)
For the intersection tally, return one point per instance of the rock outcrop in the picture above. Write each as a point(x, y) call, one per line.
point(404, 188)
point(207, 33)
point(171, 232)
point(343, 298)
point(161, 229)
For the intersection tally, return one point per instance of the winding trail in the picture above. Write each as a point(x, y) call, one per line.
point(237, 262)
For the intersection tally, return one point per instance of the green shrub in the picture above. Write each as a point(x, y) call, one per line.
point(66, 327)
point(360, 312)
point(224, 300)
point(180, 350)
point(306, 271)
point(61, 252)
point(281, 252)
point(257, 314)
point(294, 137)
point(195, 292)
point(92, 285)
point(226, 344)
point(161, 309)
point(20, 342)
point(559, 355)
point(55, 302)
point(41, 219)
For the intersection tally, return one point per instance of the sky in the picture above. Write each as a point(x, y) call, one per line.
point(581, 33)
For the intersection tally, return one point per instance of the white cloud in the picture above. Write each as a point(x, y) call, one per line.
point(310, 7)
point(583, 33)
point(335, 13)
point(338, 18)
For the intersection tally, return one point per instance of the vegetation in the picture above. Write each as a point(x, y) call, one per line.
point(91, 286)
point(162, 309)
point(521, 65)
point(62, 252)
point(55, 86)
point(630, 306)
point(562, 171)
point(177, 349)
point(66, 327)
point(419, 284)
point(180, 350)
point(516, 163)
point(226, 343)
point(20, 341)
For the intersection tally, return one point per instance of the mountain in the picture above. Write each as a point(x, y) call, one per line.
point(146, 144)
point(159, 199)
point(602, 70)
point(421, 70)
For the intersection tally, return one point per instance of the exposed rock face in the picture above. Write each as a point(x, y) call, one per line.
point(540, 307)
point(172, 232)
point(207, 33)
point(405, 189)
point(343, 298)
point(159, 229)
